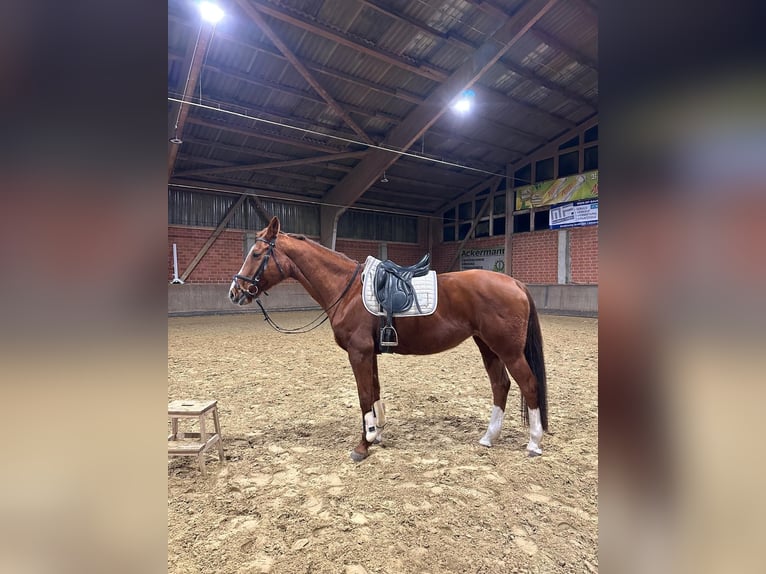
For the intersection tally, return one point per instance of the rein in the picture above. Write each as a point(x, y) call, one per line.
point(307, 327)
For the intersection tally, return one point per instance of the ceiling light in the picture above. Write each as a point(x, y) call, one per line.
point(384, 179)
point(210, 12)
point(175, 140)
point(462, 105)
point(464, 102)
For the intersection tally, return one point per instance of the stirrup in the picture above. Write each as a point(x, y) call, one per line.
point(386, 338)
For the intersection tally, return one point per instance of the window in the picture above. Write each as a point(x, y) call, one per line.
point(590, 158)
point(521, 223)
point(464, 211)
point(498, 226)
point(482, 229)
point(591, 134)
point(542, 220)
point(544, 170)
point(498, 206)
point(463, 230)
point(448, 221)
point(569, 163)
point(522, 176)
point(570, 143)
point(479, 204)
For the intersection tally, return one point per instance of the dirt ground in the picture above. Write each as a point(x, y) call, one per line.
point(289, 499)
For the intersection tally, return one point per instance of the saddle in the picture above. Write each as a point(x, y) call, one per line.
point(394, 291)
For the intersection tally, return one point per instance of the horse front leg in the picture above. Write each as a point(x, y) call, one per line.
point(363, 363)
point(380, 415)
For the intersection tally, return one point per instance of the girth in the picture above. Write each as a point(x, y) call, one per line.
point(393, 288)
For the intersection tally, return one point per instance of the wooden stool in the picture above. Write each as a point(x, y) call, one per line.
point(177, 446)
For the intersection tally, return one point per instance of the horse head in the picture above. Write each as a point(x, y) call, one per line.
point(261, 269)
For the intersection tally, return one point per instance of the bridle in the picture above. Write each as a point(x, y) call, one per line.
point(253, 288)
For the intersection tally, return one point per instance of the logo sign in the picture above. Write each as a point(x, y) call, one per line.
point(575, 214)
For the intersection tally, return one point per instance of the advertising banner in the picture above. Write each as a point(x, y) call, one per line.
point(574, 187)
point(575, 214)
point(492, 259)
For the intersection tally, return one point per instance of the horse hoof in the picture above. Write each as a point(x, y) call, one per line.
point(357, 457)
point(484, 441)
point(533, 453)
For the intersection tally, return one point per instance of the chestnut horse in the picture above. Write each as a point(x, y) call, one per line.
point(493, 308)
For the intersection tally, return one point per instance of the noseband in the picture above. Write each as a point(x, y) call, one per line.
point(253, 289)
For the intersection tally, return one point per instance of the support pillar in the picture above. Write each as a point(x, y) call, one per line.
point(328, 225)
point(510, 207)
point(564, 262)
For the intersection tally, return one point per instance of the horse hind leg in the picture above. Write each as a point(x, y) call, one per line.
point(500, 382)
point(522, 374)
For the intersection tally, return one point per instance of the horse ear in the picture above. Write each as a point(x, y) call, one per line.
point(273, 229)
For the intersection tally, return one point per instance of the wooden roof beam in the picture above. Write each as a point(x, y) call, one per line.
point(586, 7)
point(259, 190)
point(276, 164)
point(329, 33)
point(494, 180)
point(255, 152)
point(549, 84)
point(396, 93)
point(421, 118)
point(557, 44)
point(368, 113)
point(205, 34)
point(254, 15)
point(456, 40)
point(421, 69)
point(262, 135)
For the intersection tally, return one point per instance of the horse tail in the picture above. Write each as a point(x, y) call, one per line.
point(533, 353)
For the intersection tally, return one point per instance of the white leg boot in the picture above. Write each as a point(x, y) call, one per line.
point(493, 430)
point(535, 432)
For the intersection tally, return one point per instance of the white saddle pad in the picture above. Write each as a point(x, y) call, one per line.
point(424, 287)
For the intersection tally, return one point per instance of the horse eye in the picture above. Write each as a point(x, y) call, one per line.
point(256, 255)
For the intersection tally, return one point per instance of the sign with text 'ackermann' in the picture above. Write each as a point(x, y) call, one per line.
point(491, 259)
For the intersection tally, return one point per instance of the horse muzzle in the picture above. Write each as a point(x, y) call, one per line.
point(240, 296)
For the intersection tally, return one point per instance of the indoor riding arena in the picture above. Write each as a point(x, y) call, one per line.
point(308, 135)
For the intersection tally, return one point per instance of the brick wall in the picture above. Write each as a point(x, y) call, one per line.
point(357, 250)
point(583, 250)
point(535, 257)
point(223, 259)
point(535, 254)
point(225, 256)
